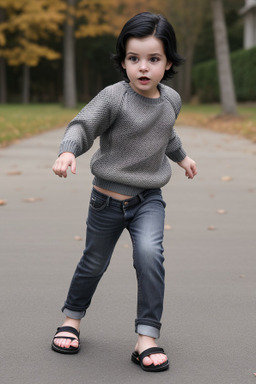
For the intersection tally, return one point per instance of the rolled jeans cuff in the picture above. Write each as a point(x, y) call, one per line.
point(147, 330)
point(73, 314)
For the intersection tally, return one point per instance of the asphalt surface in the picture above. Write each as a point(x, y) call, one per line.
point(210, 249)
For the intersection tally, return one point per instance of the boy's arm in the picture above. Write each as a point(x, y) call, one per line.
point(177, 154)
point(174, 149)
point(92, 121)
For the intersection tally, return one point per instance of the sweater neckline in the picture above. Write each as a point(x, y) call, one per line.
point(145, 99)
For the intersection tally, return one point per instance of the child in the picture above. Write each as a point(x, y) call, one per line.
point(134, 119)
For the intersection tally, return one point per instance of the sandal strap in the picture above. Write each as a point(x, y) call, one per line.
point(151, 351)
point(65, 337)
point(69, 330)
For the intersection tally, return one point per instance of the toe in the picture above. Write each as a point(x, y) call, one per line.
point(147, 361)
point(74, 343)
point(57, 342)
point(156, 359)
point(66, 343)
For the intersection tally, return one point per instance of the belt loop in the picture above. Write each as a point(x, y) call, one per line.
point(108, 201)
point(141, 197)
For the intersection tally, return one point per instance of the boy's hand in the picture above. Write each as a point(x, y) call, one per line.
point(65, 160)
point(190, 167)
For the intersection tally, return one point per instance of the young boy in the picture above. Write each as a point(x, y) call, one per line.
point(134, 119)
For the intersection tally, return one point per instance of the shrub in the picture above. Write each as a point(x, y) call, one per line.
point(205, 79)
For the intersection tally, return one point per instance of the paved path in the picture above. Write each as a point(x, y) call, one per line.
point(210, 313)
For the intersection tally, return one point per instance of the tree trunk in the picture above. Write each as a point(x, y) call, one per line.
point(227, 92)
point(69, 80)
point(26, 84)
point(3, 87)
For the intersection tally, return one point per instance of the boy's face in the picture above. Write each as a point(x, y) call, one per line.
point(145, 64)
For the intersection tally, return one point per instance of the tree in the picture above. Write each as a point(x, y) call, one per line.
point(3, 89)
point(187, 18)
point(69, 80)
point(108, 16)
point(24, 32)
point(227, 92)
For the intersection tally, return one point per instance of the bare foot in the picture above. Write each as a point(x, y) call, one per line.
point(145, 342)
point(66, 343)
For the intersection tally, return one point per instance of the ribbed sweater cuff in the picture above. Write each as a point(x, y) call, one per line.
point(69, 146)
point(177, 156)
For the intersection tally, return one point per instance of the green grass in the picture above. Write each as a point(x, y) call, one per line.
point(18, 121)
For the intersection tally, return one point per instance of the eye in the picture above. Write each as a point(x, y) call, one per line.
point(133, 59)
point(154, 59)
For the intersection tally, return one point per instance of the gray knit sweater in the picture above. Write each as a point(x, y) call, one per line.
point(136, 136)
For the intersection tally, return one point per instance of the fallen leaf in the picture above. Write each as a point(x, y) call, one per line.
point(78, 238)
point(2, 202)
point(211, 228)
point(226, 178)
point(212, 195)
point(32, 199)
point(14, 173)
point(167, 227)
point(126, 246)
point(242, 276)
point(221, 211)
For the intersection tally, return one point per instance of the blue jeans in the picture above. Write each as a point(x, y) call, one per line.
point(143, 216)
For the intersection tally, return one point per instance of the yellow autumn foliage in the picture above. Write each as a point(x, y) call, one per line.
point(30, 21)
point(26, 23)
point(28, 53)
point(102, 16)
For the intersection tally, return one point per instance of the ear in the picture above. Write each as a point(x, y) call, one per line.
point(168, 65)
point(123, 65)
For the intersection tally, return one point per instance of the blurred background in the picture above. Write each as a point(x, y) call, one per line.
point(58, 51)
point(41, 39)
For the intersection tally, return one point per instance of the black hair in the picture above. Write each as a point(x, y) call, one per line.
point(148, 24)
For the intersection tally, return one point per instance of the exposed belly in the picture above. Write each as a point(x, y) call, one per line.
point(115, 195)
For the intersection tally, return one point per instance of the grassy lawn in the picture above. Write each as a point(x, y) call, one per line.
point(209, 116)
point(18, 121)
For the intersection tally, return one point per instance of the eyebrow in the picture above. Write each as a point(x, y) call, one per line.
point(150, 54)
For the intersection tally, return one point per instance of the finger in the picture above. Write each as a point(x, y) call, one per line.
point(194, 170)
point(56, 170)
point(73, 167)
point(189, 173)
point(63, 172)
point(60, 169)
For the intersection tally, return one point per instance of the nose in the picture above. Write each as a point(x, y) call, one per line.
point(143, 66)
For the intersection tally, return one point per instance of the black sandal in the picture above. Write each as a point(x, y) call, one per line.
point(70, 350)
point(138, 359)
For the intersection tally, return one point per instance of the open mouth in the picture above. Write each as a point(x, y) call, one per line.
point(144, 80)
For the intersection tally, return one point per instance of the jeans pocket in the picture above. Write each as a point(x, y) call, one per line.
point(97, 203)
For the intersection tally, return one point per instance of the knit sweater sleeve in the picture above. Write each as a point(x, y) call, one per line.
point(95, 118)
point(174, 149)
